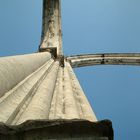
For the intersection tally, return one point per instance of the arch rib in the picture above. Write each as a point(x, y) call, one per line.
point(104, 59)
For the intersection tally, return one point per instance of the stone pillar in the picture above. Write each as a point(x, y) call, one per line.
point(51, 28)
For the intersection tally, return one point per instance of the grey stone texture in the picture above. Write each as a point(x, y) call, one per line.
point(58, 130)
point(104, 59)
point(51, 25)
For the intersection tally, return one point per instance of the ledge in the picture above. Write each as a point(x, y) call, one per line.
point(57, 129)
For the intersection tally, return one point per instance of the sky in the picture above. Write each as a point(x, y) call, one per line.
point(89, 26)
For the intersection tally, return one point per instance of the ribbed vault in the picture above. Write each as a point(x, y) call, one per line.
point(40, 96)
point(48, 92)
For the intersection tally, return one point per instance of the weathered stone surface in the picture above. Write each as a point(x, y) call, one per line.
point(51, 92)
point(58, 129)
point(104, 59)
point(14, 69)
point(51, 26)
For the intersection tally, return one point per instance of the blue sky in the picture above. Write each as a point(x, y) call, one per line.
point(89, 26)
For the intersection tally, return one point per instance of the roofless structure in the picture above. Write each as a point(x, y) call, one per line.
point(40, 96)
